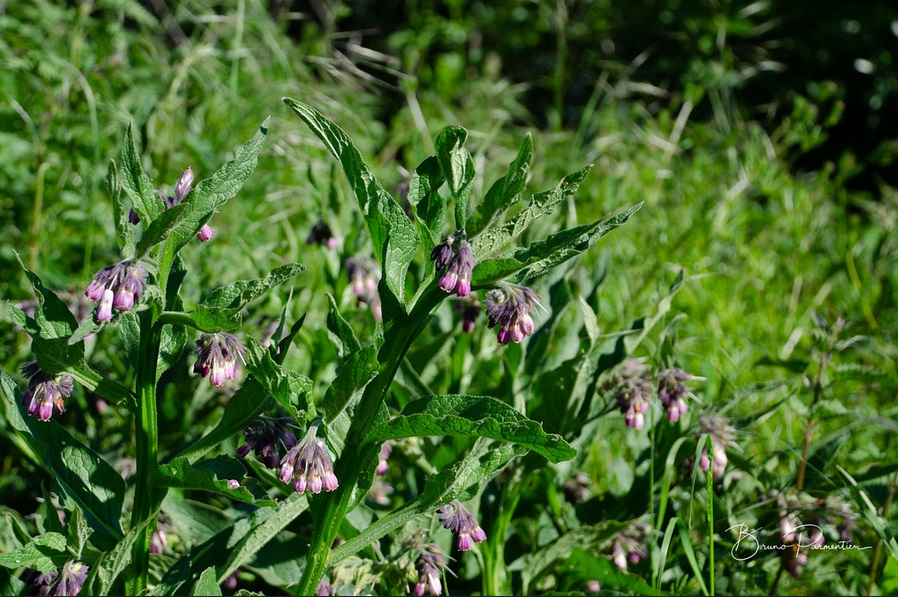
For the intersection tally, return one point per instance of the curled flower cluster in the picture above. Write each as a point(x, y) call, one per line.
point(309, 465)
point(217, 356)
point(510, 307)
point(634, 391)
point(722, 435)
point(430, 568)
point(804, 522)
point(462, 523)
point(364, 275)
point(382, 464)
point(321, 234)
point(459, 265)
point(265, 437)
point(38, 582)
point(70, 580)
point(45, 391)
point(116, 286)
point(628, 546)
point(470, 309)
point(672, 391)
point(182, 189)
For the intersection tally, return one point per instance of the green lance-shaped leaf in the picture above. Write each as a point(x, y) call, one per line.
point(214, 475)
point(115, 561)
point(50, 329)
point(355, 373)
point(81, 474)
point(207, 584)
point(392, 234)
point(180, 223)
point(494, 238)
point(533, 261)
point(472, 416)
point(291, 389)
point(136, 184)
point(244, 406)
point(457, 167)
point(123, 228)
point(233, 546)
point(221, 308)
point(460, 481)
point(340, 330)
point(424, 196)
point(45, 553)
point(160, 229)
point(504, 191)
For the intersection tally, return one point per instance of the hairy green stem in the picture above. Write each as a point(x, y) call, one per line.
point(147, 444)
point(358, 452)
point(818, 391)
point(495, 572)
point(710, 487)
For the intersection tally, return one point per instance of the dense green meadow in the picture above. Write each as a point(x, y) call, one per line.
point(696, 395)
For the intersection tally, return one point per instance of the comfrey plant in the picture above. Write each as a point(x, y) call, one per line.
point(321, 456)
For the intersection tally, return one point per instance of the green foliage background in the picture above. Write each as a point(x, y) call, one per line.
point(705, 111)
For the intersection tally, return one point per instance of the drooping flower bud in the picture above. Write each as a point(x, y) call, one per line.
point(308, 465)
point(182, 187)
point(510, 307)
point(442, 253)
point(217, 356)
point(633, 391)
point(382, 464)
point(116, 286)
point(321, 234)
point(722, 435)
point(266, 437)
point(429, 567)
point(462, 523)
point(470, 309)
point(364, 275)
point(458, 272)
point(672, 391)
point(45, 391)
point(71, 579)
point(205, 234)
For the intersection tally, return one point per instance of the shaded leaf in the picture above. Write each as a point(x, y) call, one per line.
point(457, 167)
point(213, 475)
point(289, 388)
point(81, 474)
point(207, 584)
point(472, 416)
point(430, 206)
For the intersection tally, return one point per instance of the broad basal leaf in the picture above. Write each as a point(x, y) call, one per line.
point(472, 416)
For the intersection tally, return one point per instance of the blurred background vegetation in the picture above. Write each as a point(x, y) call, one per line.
point(761, 135)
